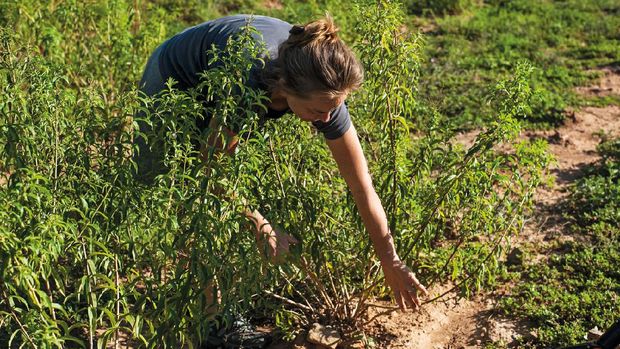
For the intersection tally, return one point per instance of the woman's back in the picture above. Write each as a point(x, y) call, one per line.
point(183, 57)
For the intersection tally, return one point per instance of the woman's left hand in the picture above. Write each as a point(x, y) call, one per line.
point(275, 243)
point(404, 284)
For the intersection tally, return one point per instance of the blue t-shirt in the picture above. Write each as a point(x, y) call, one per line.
point(184, 56)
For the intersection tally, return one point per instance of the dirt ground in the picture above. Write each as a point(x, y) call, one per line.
point(458, 323)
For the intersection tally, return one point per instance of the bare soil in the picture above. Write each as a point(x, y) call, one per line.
point(273, 4)
point(607, 84)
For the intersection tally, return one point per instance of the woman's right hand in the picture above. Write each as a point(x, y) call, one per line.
point(273, 243)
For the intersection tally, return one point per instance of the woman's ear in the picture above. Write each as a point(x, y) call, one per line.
point(278, 89)
point(280, 84)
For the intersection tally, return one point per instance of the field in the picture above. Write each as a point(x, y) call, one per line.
point(492, 134)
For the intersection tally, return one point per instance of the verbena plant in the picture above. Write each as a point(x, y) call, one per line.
point(92, 256)
point(89, 251)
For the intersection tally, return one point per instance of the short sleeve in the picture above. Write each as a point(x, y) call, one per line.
point(338, 124)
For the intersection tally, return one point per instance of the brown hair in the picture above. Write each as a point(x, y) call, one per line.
point(314, 60)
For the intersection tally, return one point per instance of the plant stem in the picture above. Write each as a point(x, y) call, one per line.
point(286, 300)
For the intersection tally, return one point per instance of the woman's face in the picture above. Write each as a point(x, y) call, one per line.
point(315, 107)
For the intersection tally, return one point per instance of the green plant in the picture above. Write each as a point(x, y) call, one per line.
point(440, 199)
point(90, 254)
point(441, 7)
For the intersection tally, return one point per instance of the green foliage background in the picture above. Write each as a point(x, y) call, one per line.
point(466, 53)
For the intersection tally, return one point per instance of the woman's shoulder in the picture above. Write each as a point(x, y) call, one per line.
point(272, 31)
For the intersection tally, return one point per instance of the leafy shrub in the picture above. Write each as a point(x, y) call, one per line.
point(439, 198)
point(610, 150)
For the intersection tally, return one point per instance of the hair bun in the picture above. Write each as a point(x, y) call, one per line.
point(322, 30)
point(313, 60)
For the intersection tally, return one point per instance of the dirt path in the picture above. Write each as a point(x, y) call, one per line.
point(461, 323)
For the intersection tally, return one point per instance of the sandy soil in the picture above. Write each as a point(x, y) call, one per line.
point(608, 83)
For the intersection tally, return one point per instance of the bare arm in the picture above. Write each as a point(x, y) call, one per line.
point(352, 165)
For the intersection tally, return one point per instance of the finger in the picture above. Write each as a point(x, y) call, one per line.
point(414, 297)
point(399, 300)
point(418, 285)
point(409, 299)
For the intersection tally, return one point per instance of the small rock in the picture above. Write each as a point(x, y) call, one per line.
point(571, 115)
point(323, 335)
point(594, 334)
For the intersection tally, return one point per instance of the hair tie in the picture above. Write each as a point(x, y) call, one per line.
point(297, 29)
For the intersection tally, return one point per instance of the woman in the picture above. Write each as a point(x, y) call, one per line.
point(309, 72)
